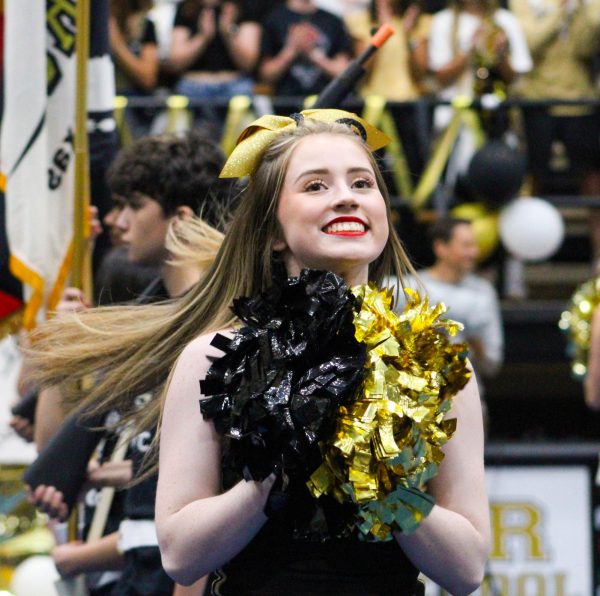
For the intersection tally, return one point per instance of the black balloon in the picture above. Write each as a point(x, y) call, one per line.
point(496, 173)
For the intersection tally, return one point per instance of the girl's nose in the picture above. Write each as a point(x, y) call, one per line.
point(345, 199)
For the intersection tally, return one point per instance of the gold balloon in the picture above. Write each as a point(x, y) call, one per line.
point(484, 224)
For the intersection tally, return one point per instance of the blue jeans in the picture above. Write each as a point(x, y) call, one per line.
point(224, 90)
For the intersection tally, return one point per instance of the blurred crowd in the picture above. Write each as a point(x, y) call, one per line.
point(530, 51)
point(211, 48)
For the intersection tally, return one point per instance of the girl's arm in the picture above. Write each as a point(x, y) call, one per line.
point(142, 69)
point(591, 385)
point(199, 528)
point(187, 47)
point(451, 545)
point(73, 558)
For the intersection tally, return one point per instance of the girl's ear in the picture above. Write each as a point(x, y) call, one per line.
point(279, 245)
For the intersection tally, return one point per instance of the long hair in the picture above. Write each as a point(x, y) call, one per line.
point(133, 349)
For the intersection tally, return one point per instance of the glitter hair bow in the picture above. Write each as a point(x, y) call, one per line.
point(258, 135)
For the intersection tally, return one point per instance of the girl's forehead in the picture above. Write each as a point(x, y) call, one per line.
point(327, 149)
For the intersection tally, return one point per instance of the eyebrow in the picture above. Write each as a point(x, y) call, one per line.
point(326, 171)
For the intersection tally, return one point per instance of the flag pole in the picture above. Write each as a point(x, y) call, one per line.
point(81, 269)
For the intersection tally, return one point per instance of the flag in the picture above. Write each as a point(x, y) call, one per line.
point(11, 291)
point(37, 139)
point(36, 145)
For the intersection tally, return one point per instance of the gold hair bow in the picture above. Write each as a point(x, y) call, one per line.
point(256, 137)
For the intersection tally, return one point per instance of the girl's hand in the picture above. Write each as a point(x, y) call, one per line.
point(411, 16)
point(49, 500)
point(207, 26)
point(72, 300)
point(228, 17)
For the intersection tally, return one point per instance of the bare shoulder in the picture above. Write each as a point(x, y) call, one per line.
point(201, 350)
point(192, 366)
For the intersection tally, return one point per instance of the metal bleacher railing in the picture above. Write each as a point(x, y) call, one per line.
point(412, 189)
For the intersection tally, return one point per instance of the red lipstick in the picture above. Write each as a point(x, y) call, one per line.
point(339, 230)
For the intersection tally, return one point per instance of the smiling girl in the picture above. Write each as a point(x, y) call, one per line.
point(315, 199)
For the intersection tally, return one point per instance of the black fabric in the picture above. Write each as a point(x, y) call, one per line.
point(143, 574)
point(579, 134)
point(25, 408)
point(149, 33)
point(139, 498)
point(303, 77)
point(274, 563)
point(105, 590)
point(216, 56)
point(258, 10)
point(69, 476)
point(154, 292)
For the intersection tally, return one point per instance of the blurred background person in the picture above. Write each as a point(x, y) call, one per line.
point(134, 48)
point(563, 37)
point(591, 384)
point(470, 299)
point(302, 49)
point(398, 70)
point(214, 48)
point(475, 49)
point(161, 183)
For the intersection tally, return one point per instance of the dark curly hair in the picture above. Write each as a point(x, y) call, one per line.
point(173, 170)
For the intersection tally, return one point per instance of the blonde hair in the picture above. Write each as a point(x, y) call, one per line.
point(133, 349)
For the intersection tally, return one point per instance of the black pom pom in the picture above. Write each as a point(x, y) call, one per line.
point(275, 392)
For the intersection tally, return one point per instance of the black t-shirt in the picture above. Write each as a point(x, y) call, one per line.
point(216, 56)
point(303, 77)
point(139, 498)
point(143, 574)
point(258, 10)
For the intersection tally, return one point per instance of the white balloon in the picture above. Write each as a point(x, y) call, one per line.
point(531, 229)
point(35, 575)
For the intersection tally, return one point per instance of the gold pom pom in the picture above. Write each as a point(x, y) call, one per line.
point(576, 322)
point(388, 443)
